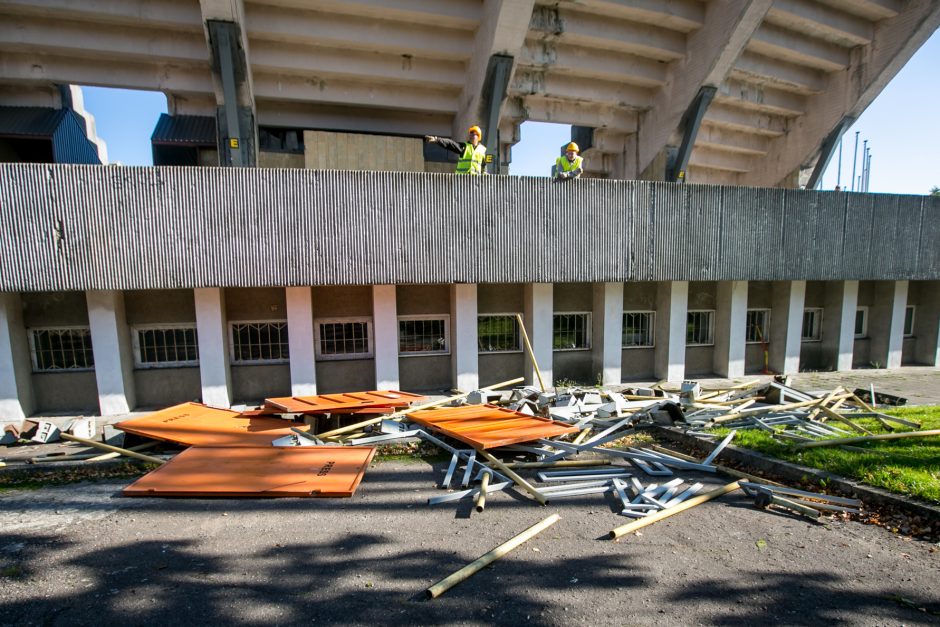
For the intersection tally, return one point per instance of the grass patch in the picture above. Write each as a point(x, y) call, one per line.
point(910, 467)
point(12, 480)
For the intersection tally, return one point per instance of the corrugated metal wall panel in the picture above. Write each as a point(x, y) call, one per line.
point(70, 227)
point(70, 144)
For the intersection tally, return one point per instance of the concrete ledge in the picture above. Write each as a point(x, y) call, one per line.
point(870, 495)
point(16, 470)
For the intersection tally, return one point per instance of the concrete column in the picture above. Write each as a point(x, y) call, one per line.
point(303, 375)
point(730, 328)
point(839, 322)
point(385, 327)
point(608, 331)
point(464, 354)
point(786, 325)
point(672, 310)
point(927, 325)
point(212, 328)
point(111, 345)
point(538, 311)
point(886, 326)
point(16, 390)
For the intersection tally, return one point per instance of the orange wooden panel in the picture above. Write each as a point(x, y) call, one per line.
point(194, 424)
point(488, 426)
point(331, 402)
point(265, 472)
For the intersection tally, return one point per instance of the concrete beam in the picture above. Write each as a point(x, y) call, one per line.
point(822, 21)
point(212, 330)
point(303, 371)
point(501, 32)
point(672, 308)
point(710, 136)
point(607, 321)
point(175, 14)
point(680, 15)
point(786, 325)
point(16, 390)
point(736, 119)
point(851, 91)
point(385, 328)
point(886, 323)
point(767, 70)
point(564, 87)
point(706, 60)
point(713, 159)
point(591, 63)
point(541, 109)
point(465, 365)
point(111, 345)
point(730, 328)
point(759, 97)
point(838, 336)
point(781, 43)
point(458, 14)
point(538, 308)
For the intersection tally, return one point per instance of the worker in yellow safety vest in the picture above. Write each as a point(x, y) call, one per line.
point(569, 166)
point(472, 153)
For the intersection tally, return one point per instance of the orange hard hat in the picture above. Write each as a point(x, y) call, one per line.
point(572, 147)
point(475, 129)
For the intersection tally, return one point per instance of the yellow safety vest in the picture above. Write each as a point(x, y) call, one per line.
point(471, 161)
point(568, 166)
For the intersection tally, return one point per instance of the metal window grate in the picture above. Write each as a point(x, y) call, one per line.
point(698, 330)
point(637, 329)
point(498, 334)
point(167, 346)
point(422, 335)
point(571, 331)
point(344, 339)
point(259, 341)
point(62, 349)
point(812, 325)
point(757, 326)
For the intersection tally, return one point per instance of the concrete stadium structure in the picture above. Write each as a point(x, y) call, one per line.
point(140, 287)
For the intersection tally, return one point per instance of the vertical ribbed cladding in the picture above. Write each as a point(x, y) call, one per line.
point(859, 231)
point(909, 223)
point(799, 233)
point(704, 206)
point(669, 223)
point(644, 199)
point(632, 245)
point(885, 239)
point(826, 255)
point(928, 259)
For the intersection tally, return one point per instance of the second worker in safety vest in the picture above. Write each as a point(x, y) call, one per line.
point(472, 154)
point(569, 165)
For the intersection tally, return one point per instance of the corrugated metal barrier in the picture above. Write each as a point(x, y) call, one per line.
point(76, 227)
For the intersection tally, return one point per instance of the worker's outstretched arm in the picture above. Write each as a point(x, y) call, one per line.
point(448, 144)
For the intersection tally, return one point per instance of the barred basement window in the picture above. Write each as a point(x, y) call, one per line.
point(344, 338)
point(909, 321)
point(257, 341)
point(638, 329)
point(812, 325)
point(66, 348)
point(757, 326)
point(571, 331)
point(498, 333)
point(861, 322)
point(423, 335)
point(698, 328)
point(165, 346)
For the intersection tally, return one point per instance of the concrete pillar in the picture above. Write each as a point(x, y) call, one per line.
point(464, 354)
point(886, 326)
point(730, 328)
point(927, 325)
point(16, 390)
point(111, 345)
point(385, 326)
point(303, 375)
point(538, 311)
point(786, 325)
point(672, 310)
point(608, 331)
point(838, 338)
point(212, 328)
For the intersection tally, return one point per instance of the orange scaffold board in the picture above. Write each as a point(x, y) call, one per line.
point(194, 424)
point(341, 402)
point(302, 471)
point(488, 426)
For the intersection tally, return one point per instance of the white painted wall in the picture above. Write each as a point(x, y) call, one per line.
point(672, 308)
point(111, 345)
point(303, 375)
point(464, 352)
point(385, 326)
point(16, 393)
point(608, 331)
point(211, 325)
point(786, 325)
point(538, 311)
point(730, 328)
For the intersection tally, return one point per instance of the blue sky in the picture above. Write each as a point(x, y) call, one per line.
point(900, 126)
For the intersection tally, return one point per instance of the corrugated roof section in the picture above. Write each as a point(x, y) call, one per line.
point(186, 130)
point(30, 121)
